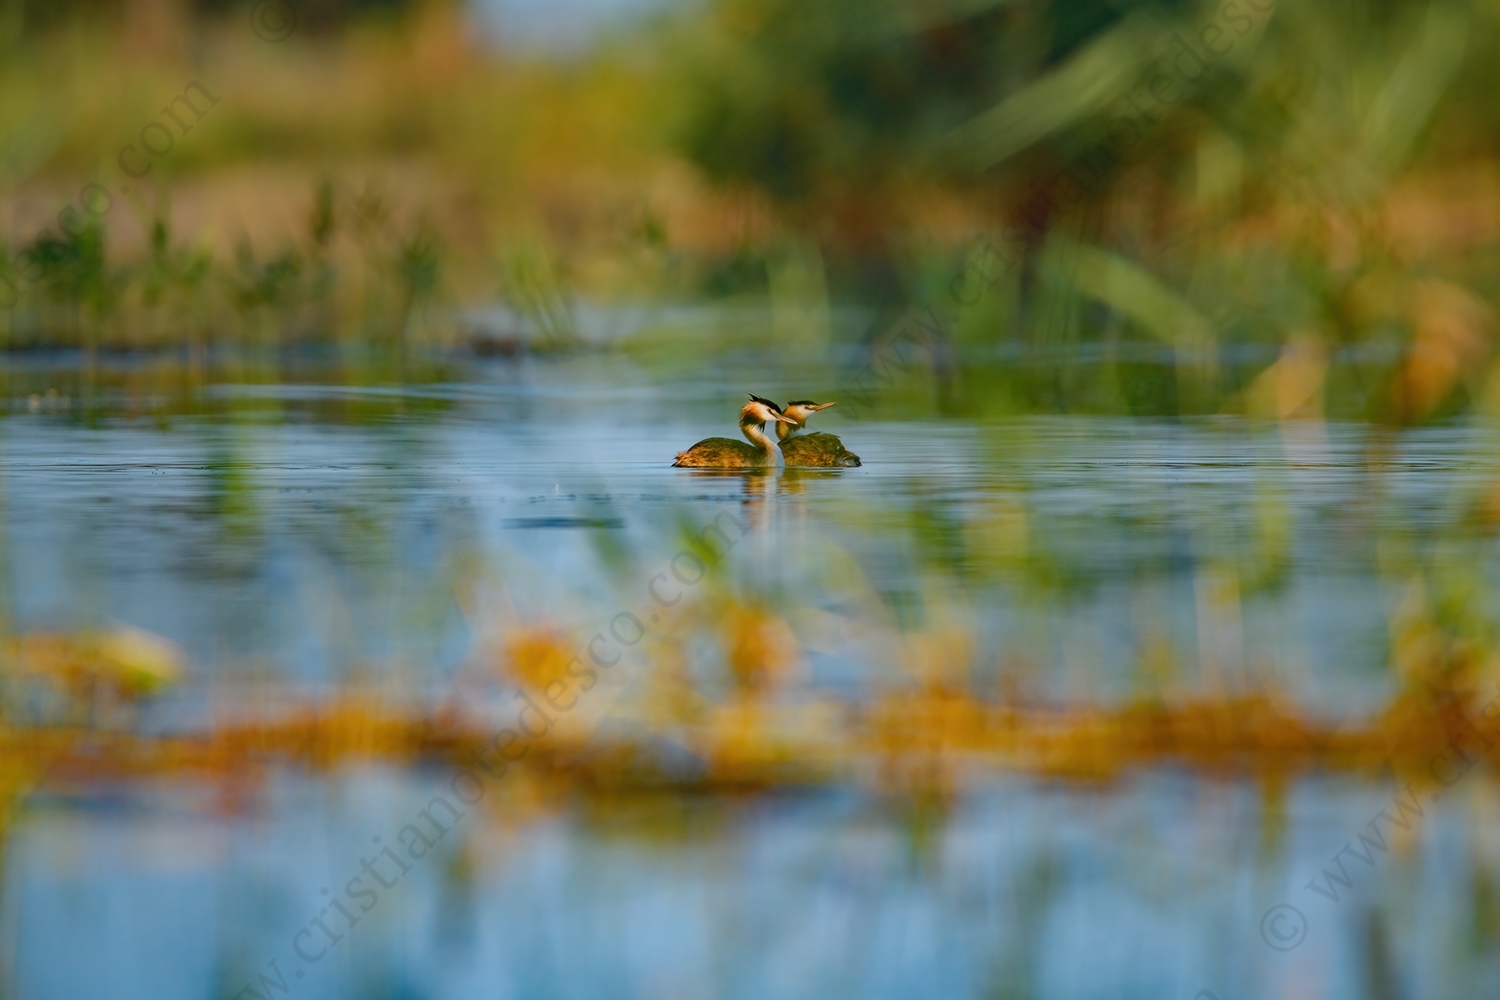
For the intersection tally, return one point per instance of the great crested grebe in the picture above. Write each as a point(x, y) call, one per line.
point(811, 449)
point(727, 453)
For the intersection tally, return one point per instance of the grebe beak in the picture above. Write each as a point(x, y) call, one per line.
point(781, 417)
point(821, 406)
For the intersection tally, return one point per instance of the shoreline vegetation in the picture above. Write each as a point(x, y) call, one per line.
point(365, 182)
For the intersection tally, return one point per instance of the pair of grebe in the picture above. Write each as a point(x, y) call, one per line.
point(806, 450)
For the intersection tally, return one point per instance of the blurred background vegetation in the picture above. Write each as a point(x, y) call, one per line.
point(1307, 222)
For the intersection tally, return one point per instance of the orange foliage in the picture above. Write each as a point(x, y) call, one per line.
point(537, 657)
point(1452, 335)
point(760, 647)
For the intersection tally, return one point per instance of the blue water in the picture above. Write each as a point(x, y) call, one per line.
point(290, 553)
point(1153, 888)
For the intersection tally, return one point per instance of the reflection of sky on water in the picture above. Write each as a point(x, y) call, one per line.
point(327, 552)
point(324, 552)
point(1150, 889)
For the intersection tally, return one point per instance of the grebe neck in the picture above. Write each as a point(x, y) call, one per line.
point(756, 433)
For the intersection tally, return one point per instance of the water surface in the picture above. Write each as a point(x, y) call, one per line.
point(298, 539)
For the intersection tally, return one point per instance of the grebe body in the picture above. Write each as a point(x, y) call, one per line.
point(727, 453)
point(811, 450)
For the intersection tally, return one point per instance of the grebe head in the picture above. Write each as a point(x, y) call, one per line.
point(762, 411)
point(800, 409)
